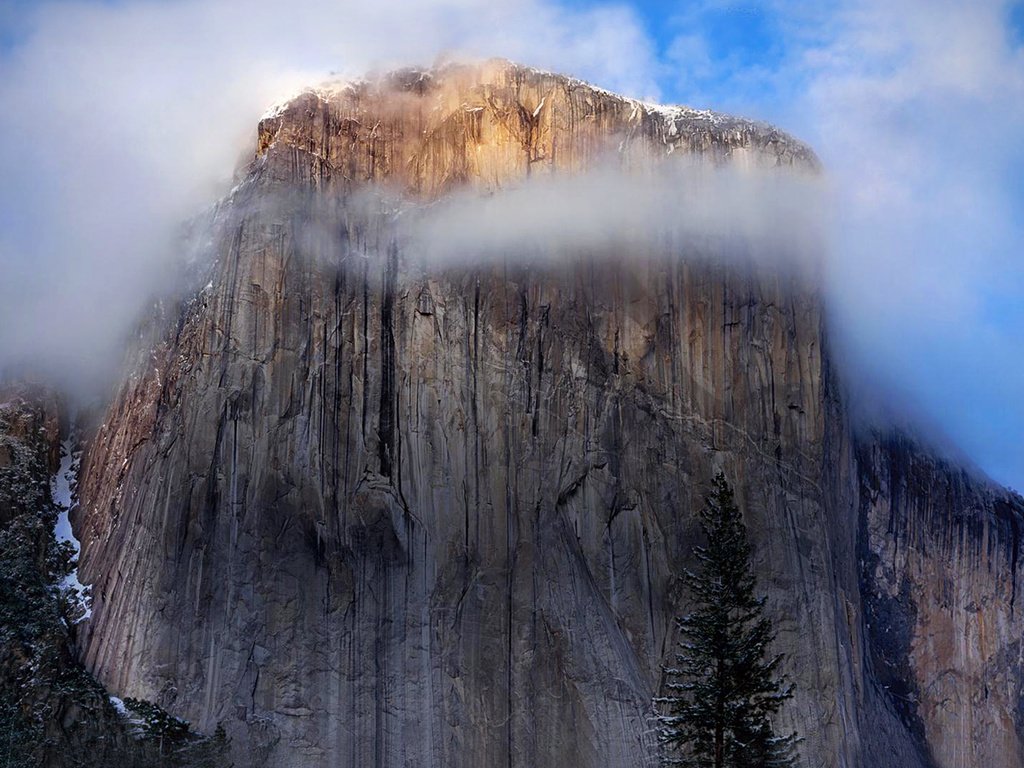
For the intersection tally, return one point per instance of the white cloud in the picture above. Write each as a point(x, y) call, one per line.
point(120, 121)
point(917, 109)
point(757, 215)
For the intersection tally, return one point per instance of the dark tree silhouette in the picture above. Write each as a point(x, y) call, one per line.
point(724, 688)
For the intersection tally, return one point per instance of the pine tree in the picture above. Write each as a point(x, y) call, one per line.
point(209, 751)
point(168, 735)
point(724, 688)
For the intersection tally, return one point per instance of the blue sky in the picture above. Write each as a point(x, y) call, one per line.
point(915, 106)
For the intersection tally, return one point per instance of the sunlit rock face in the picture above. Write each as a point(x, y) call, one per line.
point(366, 510)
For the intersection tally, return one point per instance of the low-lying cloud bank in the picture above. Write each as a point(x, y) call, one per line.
point(695, 210)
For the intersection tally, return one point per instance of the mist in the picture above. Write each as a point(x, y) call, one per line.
point(916, 109)
point(694, 210)
point(123, 121)
point(925, 277)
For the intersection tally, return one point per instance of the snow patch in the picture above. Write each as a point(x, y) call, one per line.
point(119, 705)
point(63, 489)
point(276, 110)
point(324, 91)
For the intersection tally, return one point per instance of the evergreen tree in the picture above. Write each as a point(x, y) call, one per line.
point(167, 733)
point(208, 751)
point(168, 742)
point(724, 688)
point(53, 712)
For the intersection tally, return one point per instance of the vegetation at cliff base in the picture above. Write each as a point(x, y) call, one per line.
point(53, 713)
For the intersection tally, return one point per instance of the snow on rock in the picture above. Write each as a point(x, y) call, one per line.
point(63, 491)
point(119, 705)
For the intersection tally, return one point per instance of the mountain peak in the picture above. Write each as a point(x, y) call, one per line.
point(487, 123)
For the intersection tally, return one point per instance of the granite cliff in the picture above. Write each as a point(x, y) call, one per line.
point(364, 510)
point(53, 713)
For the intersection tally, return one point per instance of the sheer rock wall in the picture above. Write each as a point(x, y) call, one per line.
point(941, 580)
point(369, 513)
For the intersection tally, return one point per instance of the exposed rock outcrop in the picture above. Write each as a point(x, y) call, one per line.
point(369, 513)
point(940, 578)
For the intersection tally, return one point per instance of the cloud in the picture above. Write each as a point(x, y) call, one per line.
point(120, 121)
point(760, 216)
point(927, 253)
point(917, 109)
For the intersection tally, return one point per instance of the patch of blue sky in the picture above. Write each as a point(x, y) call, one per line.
point(709, 49)
point(14, 26)
point(1015, 23)
point(733, 56)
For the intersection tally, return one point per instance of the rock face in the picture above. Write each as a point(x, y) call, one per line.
point(940, 581)
point(364, 512)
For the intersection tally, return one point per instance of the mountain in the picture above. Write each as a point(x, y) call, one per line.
point(362, 508)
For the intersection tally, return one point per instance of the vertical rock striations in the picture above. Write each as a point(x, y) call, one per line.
point(53, 714)
point(941, 580)
point(370, 513)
